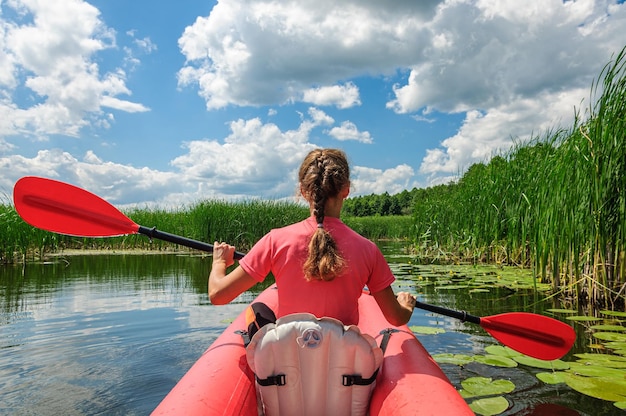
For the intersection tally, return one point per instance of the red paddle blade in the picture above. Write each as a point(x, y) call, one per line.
point(535, 335)
point(66, 209)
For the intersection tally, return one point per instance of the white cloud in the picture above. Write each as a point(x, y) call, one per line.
point(349, 131)
point(255, 52)
point(255, 160)
point(117, 183)
point(343, 96)
point(475, 140)
point(50, 52)
point(470, 56)
point(367, 181)
point(508, 70)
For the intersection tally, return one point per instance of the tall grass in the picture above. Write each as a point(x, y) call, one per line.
point(239, 223)
point(397, 227)
point(556, 203)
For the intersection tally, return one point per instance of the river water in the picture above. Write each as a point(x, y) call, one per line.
point(112, 334)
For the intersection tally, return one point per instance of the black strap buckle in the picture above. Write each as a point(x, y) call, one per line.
point(277, 380)
point(357, 380)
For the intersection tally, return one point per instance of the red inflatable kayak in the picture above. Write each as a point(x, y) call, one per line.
point(409, 383)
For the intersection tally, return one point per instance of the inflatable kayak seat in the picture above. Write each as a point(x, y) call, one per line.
point(313, 366)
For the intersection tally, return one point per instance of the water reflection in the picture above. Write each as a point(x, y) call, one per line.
point(102, 334)
point(113, 334)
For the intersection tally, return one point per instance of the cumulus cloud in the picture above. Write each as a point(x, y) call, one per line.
point(50, 81)
point(258, 52)
point(367, 181)
point(507, 71)
point(476, 141)
point(480, 58)
point(119, 184)
point(255, 159)
point(349, 131)
point(343, 96)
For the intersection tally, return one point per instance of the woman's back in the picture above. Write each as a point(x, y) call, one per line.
point(283, 252)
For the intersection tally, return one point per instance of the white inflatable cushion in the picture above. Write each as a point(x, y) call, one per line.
point(314, 355)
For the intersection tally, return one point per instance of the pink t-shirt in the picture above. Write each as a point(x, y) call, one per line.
point(283, 252)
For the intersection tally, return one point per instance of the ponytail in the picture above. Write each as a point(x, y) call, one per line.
point(323, 174)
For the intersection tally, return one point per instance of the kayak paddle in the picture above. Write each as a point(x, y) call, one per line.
point(535, 335)
point(66, 209)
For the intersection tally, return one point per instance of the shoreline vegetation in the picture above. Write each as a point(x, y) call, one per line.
point(555, 204)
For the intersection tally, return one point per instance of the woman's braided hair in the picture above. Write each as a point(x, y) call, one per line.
point(324, 173)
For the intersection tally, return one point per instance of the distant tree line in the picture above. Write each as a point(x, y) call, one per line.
point(382, 204)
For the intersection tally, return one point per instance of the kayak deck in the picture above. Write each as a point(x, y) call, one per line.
point(409, 383)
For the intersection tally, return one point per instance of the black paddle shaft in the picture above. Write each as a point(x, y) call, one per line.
point(461, 315)
point(183, 241)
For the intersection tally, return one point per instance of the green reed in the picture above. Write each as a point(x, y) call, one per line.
point(397, 227)
point(556, 203)
point(239, 223)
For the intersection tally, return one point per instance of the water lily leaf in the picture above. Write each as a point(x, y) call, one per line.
point(614, 313)
point(610, 336)
point(452, 287)
point(602, 358)
point(609, 389)
point(479, 290)
point(426, 330)
point(502, 351)
point(495, 361)
point(615, 345)
point(604, 327)
point(582, 318)
point(548, 365)
point(555, 310)
point(620, 405)
point(489, 406)
point(551, 378)
point(596, 370)
point(456, 359)
point(598, 356)
point(485, 386)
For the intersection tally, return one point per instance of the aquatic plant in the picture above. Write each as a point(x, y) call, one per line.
point(556, 203)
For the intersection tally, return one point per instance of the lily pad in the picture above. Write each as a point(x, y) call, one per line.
point(456, 359)
point(502, 351)
point(555, 310)
point(620, 405)
point(583, 318)
point(604, 327)
point(485, 386)
point(489, 406)
point(551, 378)
point(452, 287)
point(426, 330)
point(495, 361)
point(595, 370)
point(536, 363)
point(609, 389)
point(614, 313)
point(610, 336)
point(479, 290)
point(615, 345)
point(606, 360)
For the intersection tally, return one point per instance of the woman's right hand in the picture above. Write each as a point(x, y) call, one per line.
point(407, 300)
point(223, 252)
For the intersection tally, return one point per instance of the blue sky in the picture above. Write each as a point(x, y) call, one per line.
point(167, 103)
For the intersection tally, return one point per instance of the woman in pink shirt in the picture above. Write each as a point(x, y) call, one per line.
point(320, 264)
